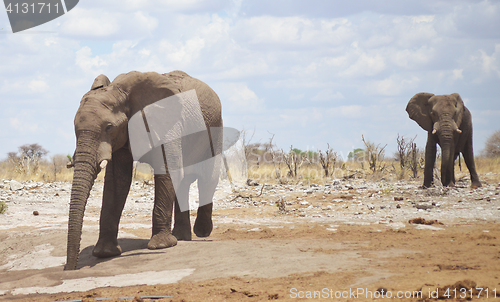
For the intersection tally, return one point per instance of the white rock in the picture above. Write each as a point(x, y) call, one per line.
point(15, 185)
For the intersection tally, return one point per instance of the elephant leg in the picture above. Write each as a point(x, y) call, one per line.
point(430, 160)
point(116, 187)
point(471, 165)
point(452, 176)
point(203, 225)
point(182, 224)
point(162, 214)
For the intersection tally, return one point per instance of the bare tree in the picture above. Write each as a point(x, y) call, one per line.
point(247, 142)
point(375, 154)
point(27, 159)
point(492, 147)
point(276, 163)
point(327, 160)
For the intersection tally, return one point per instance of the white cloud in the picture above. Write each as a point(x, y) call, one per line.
point(366, 65)
point(348, 111)
point(412, 58)
point(327, 95)
point(23, 124)
point(238, 98)
point(91, 23)
point(38, 86)
point(392, 86)
point(89, 64)
point(293, 31)
point(295, 62)
point(101, 24)
point(491, 63)
point(457, 74)
point(182, 53)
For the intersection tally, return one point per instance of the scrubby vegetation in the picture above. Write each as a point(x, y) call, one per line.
point(30, 163)
point(267, 162)
point(3, 207)
point(492, 147)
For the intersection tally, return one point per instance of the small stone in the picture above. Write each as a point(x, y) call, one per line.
point(35, 213)
point(252, 183)
point(15, 185)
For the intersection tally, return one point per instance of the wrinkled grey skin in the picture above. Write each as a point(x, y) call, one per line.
point(449, 124)
point(101, 127)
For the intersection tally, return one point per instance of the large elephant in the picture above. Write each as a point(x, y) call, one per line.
point(448, 123)
point(103, 136)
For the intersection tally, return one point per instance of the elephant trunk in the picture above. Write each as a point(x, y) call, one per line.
point(447, 129)
point(448, 152)
point(86, 170)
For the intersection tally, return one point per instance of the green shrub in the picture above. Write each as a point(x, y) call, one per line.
point(3, 207)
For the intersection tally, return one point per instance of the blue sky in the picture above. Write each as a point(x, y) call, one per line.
point(310, 72)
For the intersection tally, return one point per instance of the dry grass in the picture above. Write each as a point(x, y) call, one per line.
point(488, 165)
point(308, 173)
point(350, 169)
point(314, 173)
point(45, 173)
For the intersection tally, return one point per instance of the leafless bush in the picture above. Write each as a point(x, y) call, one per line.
point(417, 161)
point(58, 163)
point(375, 155)
point(409, 156)
point(247, 144)
point(492, 147)
point(327, 160)
point(275, 159)
point(293, 160)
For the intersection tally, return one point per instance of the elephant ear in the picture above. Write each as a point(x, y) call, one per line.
point(100, 81)
point(418, 109)
point(460, 109)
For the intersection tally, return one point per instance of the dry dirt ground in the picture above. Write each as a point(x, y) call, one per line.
point(344, 240)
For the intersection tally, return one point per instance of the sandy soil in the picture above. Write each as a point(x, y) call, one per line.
point(343, 240)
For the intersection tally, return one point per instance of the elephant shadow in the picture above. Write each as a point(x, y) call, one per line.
point(127, 244)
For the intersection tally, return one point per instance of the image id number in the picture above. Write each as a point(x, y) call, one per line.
point(33, 8)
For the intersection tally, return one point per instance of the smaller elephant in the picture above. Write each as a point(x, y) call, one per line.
point(448, 123)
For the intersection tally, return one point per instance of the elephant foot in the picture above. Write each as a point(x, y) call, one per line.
point(451, 184)
point(105, 249)
point(203, 227)
point(162, 240)
point(182, 233)
point(476, 184)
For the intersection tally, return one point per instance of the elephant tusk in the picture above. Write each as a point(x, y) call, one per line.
point(434, 131)
point(459, 131)
point(103, 164)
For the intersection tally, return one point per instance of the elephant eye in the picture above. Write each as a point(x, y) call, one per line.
point(109, 127)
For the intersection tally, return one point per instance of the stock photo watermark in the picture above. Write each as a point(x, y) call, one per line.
point(364, 293)
point(171, 136)
point(25, 14)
